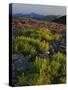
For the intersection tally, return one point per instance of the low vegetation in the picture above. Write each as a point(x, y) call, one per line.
point(48, 69)
point(45, 71)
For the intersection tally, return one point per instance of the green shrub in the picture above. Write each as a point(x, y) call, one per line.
point(46, 34)
point(33, 51)
point(28, 45)
point(44, 46)
point(41, 34)
point(22, 45)
point(45, 71)
point(56, 37)
point(39, 68)
point(22, 80)
point(57, 68)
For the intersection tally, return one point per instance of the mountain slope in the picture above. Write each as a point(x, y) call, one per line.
point(37, 16)
point(30, 15)
point(50, 17)
point(61, 20)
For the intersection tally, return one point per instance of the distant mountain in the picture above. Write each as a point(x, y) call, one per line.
point(61, 20)
point(32, 15)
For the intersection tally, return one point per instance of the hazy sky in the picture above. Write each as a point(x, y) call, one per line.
point(39, 9)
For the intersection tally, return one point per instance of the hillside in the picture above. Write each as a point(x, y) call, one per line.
point(28, 23)
point(50, 18)
point(61, 20)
